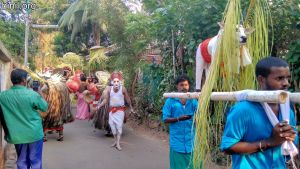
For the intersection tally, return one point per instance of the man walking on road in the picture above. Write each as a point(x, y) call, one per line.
point(179, 114)
point(116, 96)
point(22, 123)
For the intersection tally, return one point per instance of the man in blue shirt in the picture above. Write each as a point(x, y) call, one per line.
point(179, 114)
point(249, 135)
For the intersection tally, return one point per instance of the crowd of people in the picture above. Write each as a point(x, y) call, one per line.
point(254, 134)
point(31, 109)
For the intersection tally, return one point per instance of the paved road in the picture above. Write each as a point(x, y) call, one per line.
point(87, 148)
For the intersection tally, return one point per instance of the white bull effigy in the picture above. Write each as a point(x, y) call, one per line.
point(228, 60)
point(207, 50)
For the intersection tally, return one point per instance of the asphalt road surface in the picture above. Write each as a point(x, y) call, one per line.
point(87, 148)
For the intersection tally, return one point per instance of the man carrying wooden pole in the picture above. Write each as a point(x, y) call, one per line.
point(260, 135)
point(179, 114)
point(260, 130)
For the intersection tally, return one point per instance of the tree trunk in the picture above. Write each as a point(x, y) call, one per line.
point(180, 55)
point(274, 50)
point(96, 34)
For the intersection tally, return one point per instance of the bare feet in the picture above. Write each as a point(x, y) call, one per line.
point(60, 138)
point(108, 134)
point(119, 147)
point(114, 145)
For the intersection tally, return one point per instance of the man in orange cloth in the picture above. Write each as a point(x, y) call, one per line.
point(116, 95)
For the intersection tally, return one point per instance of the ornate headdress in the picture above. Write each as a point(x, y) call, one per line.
point(116, 75)
point(67, 68)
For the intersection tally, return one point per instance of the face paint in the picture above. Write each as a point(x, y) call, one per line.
point(116, 83)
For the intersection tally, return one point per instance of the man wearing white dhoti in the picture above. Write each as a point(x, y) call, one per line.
point(116, 95)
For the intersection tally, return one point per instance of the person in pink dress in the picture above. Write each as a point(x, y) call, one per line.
point(83, 111)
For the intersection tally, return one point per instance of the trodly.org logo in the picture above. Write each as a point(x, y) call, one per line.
point(8, 5)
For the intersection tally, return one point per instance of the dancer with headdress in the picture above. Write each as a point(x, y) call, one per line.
point(59, 112)
point(100, 118)
point(115, 96)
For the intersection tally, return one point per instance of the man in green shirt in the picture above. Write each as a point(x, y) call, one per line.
point(22, 122)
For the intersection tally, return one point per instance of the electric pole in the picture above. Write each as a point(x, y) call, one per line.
point(26, 35)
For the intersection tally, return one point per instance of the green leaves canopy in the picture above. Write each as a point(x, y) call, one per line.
point(79, 13)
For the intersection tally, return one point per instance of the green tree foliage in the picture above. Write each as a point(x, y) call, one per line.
point(286, 18)
point(138, 31)
point(293, 58)
point(72, 59)
point(97, 59)
point(79, 14)
point(286, 21)
point(112, 14)
point(191, 21)
point(62, 43)
point(12, 35)
point(49, 12)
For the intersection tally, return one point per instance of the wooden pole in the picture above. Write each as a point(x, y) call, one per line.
point(256, 96)
point(295, 97)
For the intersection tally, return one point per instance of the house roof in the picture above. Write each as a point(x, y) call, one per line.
point(4, 54)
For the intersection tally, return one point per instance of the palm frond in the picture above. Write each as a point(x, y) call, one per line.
point(78, 14)
point(76, 26)
point(64, 20)
point(98, 59)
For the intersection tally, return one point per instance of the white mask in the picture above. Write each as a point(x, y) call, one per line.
point(116, 83)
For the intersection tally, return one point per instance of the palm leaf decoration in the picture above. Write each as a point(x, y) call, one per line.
point(73, 59)
point(98, 59)
point(209, 126)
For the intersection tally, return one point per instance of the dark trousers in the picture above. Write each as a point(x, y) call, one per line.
point(30, 155)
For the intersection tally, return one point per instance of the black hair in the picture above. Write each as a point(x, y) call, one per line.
point(95, 79)
point(82, 78)
point(182, 78)
point(263, 67)
point(17, 76)
point(65, 73)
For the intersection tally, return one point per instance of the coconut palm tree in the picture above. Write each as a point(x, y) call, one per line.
point(79, 14)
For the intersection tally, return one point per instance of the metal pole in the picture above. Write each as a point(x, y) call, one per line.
point(26, 36)
point(44, 26)
point(26, 39)
point(173, 49)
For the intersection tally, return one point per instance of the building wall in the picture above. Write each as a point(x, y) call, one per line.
point(5, 69)
point(7, 151)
